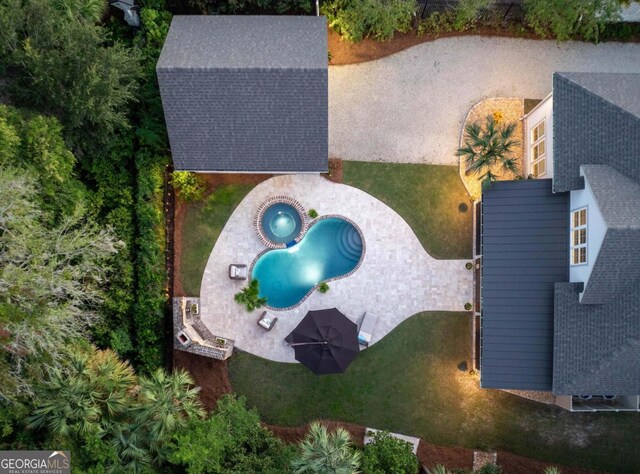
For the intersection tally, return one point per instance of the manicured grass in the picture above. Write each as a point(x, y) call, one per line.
point(431, 198)
point(410, 383)
point(203, 223)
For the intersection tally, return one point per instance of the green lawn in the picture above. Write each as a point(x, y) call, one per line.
point(431, 198)
point(409, 382)
point(203, 223)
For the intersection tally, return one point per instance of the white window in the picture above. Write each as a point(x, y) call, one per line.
point(539, 150)
point(579, 236)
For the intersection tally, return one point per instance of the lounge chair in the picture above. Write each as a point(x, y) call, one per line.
point(238, 272)
point(267, 321)
point(365, 332)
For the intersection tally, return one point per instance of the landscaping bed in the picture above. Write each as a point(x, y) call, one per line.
point(344, 52)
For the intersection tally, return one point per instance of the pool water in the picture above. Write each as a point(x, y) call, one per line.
point(281, 223)
point(332, 247)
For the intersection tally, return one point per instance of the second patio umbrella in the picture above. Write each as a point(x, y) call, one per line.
point(326, 341)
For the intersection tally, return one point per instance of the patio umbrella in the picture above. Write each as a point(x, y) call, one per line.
point(326, 341)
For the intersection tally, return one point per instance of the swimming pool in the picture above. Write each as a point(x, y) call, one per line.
point(332, 247)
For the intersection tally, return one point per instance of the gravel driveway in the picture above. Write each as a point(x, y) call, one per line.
point(409, 107)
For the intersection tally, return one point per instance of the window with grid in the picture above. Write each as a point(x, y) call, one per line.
point(579, 236)
point(538, 150)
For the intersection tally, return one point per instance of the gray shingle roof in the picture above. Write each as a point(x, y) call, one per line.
point(596, 121)
point(246, 93)
point(596, 347)
point(617, 267)
point(524, 252)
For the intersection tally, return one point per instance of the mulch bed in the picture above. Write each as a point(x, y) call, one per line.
point(335, 170)
point(209, 374)
point(295, 434)
point(346, 52)
point(211, 181)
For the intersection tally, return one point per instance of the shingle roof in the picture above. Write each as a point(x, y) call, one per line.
point(246, 93)
point(596, 121)
point(596, 347)
point(524, 252)
point(617, 267)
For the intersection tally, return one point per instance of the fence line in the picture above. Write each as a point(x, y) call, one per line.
point(506, 10)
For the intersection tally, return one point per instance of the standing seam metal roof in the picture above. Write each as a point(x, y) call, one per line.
point(524, 252)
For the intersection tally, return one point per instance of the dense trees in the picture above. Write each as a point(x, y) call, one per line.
point(379, 19)
point(568, 19)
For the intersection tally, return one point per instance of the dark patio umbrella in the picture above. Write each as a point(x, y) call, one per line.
point(326, 341)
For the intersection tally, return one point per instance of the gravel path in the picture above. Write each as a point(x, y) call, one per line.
point(409, 107)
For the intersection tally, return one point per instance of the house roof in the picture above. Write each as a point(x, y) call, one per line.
point(617, 267)
point(524, 252)
point(596, 121)
point(596, 347)
point(246, 93)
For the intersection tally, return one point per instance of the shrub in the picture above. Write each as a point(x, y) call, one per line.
point(489, 469)
point(567, 19)
point(312, 213)
point(467, 13)
point(388, 454)
point(189, 186)
point(437, 23)
point(323, 287)
point(355, 20)
point(249, 296)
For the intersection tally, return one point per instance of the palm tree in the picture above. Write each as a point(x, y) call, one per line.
point(89, 394)
point(439, 469)
point(488, 149)
point(250, 296)
point(552, 470)
point(324, 453)
point(167, 401)
point(90, 11)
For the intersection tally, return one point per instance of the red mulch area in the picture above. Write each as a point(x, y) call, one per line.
point(430, 455)
point(335, 170)
point(514, 464)
point(346, 52)
point(212, 181)
point(295, 434)
point(209, 374)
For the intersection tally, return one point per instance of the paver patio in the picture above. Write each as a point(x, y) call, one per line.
point(409, 107)
point(396, 280)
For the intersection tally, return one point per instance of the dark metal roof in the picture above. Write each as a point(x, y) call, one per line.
point(596, 347)
point(617, 267)
point(525, 251)
point(596, 120)
point(244, 93)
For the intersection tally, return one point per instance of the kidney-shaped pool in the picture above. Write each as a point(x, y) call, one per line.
point(332, 247)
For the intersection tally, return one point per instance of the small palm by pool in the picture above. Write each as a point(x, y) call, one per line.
point(331, 248)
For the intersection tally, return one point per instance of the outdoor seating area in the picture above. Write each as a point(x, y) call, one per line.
point(192, 335)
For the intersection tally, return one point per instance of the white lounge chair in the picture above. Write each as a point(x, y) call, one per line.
point(237, 272)
point(367, 325)
point(267, 321)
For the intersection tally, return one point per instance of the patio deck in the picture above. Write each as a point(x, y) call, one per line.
point(396, 279)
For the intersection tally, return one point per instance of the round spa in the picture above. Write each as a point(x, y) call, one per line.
point(280, 221)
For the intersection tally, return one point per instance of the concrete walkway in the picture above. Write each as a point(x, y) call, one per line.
point(396, 279)
point(409, 107)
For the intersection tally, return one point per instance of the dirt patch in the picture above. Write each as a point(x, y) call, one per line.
point(335, 170)
point(295, 434)
point(211, 182)
point(209, 374)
